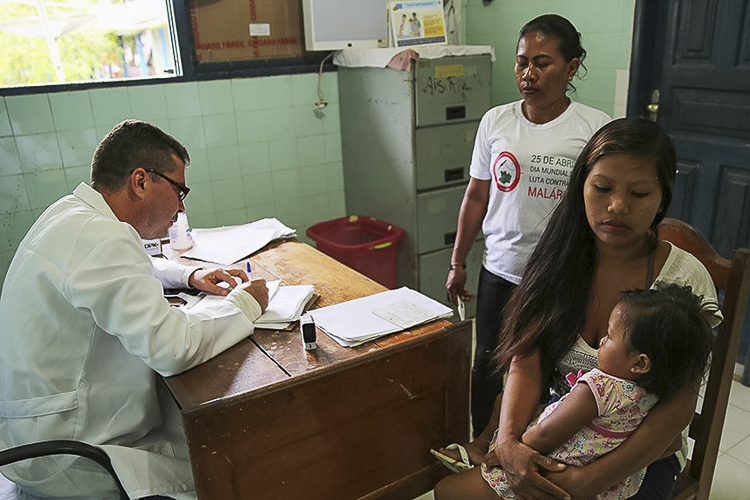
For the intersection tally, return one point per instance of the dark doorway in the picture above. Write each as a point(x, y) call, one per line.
point(696, 55)
point(693, 57)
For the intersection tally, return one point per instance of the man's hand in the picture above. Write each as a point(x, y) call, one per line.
point(208, 280)
point(259, 291)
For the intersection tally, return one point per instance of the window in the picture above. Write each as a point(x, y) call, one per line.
point(104, 43)
point(72, 41)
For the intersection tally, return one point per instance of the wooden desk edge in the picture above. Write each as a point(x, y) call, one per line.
point(462, 327)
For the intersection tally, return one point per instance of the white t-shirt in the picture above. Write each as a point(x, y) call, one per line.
point(529, 165)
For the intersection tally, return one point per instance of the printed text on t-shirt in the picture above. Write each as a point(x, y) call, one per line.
point(548, 176)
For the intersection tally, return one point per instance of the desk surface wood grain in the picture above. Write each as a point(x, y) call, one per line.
point(270, 356)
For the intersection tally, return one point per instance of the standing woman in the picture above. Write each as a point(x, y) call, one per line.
point(523, 154)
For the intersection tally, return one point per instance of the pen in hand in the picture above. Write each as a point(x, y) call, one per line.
point(249, 272)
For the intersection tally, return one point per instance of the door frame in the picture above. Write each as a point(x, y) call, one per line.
point(647, 51)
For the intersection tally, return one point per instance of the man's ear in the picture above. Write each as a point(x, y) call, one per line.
point(137, 182)
point(642, 365)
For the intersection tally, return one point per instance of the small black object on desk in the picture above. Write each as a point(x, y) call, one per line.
point(307, 327)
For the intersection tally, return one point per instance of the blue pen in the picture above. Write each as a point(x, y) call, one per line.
point(249, 272)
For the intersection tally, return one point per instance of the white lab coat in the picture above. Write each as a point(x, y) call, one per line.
point(84, 329)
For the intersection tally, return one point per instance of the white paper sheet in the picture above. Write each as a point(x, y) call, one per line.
point(226, 245)
point(357, 321)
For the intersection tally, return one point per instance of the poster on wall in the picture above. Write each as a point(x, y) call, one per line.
point(419, 22)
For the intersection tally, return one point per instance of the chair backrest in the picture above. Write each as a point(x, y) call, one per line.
point(64, 447)
point(733, 278)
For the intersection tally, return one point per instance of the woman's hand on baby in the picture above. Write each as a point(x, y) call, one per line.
point(574, 480)
point(491, 459)
point(522, 465)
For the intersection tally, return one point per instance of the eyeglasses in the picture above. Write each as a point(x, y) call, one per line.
point(182, 189)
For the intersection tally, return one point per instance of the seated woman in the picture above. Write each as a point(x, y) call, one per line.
point(601, 240)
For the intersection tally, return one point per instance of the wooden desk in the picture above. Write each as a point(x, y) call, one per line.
point(267, 419)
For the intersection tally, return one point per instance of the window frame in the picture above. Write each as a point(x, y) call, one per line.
point(192, 70)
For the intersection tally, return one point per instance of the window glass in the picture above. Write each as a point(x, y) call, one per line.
point(69, 41)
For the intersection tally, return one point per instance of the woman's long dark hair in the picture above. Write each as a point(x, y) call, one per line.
point(547, 310)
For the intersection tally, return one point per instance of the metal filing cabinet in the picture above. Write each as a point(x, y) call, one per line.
point(407, 138)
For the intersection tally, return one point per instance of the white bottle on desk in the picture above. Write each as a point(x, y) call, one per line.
point(179, 239)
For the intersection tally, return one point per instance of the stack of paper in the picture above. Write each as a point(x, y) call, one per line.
point(361, 320)
point(229, 244)
point(285, 307)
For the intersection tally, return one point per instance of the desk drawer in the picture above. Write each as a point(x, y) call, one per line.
point(443, 154)
point(437, 218)
point(389, 406)
point(452, 89)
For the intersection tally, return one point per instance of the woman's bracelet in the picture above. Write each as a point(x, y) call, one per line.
point(452, 267)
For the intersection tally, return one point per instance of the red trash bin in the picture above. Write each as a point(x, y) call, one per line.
point(365, 244)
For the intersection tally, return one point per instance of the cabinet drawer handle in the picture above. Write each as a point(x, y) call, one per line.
point(454, 174)
point(449, 238)
point(455, 112)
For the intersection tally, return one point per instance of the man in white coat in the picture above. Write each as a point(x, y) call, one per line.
point(86, 330)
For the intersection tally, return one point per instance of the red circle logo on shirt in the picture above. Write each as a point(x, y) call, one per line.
point(507, 171)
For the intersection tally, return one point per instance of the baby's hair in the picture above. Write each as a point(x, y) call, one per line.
point(667, 324)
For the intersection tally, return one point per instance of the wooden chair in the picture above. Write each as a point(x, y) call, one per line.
point(733, 278)
point(62, 447)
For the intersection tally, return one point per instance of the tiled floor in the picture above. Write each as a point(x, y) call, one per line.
point(732, 477)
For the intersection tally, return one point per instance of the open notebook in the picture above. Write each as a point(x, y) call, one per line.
point(285, 304)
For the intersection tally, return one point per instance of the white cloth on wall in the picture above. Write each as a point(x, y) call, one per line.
point(380, 58)
point(452, 9)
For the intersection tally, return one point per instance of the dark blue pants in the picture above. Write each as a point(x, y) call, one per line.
point(660, 480)
point(492, 295)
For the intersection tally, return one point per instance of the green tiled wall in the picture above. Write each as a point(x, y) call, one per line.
point(606, 28)
point(259, 148)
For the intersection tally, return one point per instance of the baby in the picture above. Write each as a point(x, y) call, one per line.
point(657, 340)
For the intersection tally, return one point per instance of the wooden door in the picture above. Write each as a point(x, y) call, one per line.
point(696, 55)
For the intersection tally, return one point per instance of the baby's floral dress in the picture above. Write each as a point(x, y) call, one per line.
point(622, 406)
